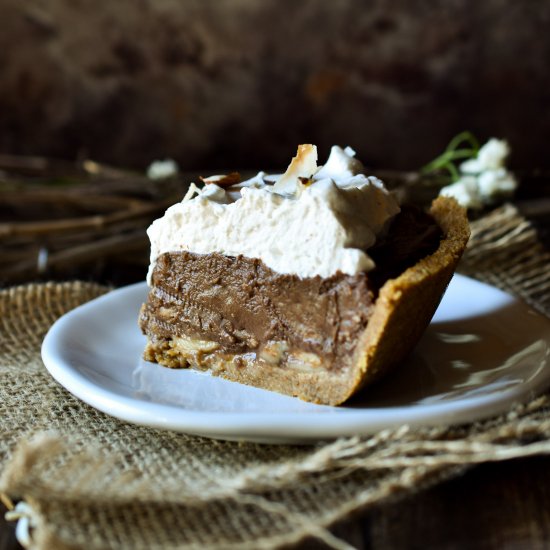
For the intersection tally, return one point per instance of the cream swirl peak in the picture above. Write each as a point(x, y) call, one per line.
point(308, 221)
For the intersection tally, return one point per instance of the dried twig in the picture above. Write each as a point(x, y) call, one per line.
point(58, 217)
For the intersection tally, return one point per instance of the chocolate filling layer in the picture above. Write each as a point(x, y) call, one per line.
point(239, 307)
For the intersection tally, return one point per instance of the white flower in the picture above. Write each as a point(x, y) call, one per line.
point(483, 178)
point(493, 154)
point(471, 166)
point(490, 157)
point(160, 169)
point(493, 183)
point(465, 191)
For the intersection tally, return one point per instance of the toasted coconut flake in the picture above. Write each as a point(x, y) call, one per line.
point(223, 180)
point(191, 192)
point(303, 165)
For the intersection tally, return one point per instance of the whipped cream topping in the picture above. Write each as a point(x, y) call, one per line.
point(309, 221)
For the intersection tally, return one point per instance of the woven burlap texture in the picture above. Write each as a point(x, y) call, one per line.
point(95, 482)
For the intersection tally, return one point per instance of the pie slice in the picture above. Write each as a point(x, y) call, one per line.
point(312, 284)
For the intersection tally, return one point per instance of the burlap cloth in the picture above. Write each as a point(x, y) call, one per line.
point(95, 482)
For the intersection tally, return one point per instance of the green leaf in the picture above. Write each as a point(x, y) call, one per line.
point(462, 147)
point(467, 137)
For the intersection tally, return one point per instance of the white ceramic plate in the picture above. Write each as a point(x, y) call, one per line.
point(483, 351)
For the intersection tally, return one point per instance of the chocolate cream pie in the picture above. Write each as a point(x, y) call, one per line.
point(312, 283)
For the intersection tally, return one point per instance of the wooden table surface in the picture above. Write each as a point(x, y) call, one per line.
point(503, 505)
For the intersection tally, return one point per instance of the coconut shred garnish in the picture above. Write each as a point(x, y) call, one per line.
point(485, 178)
point(311, 220)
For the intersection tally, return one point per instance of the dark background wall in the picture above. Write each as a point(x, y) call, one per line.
point(239, 83)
